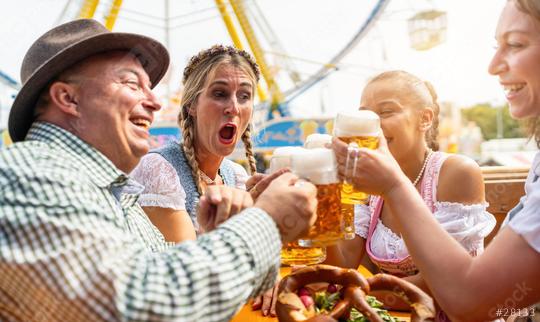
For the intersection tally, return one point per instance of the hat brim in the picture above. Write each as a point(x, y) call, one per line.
point(153, 55)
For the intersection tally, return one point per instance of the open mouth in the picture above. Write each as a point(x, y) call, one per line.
point(142, 123)
point(227, 133)
point(513, 89)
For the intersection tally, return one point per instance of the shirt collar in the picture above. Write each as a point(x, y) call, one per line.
point(102, 171)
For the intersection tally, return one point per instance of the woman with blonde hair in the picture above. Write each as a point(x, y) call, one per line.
point(216, 110)
point(409, 114)
point(505, 278)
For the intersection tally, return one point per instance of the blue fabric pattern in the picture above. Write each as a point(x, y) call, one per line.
point(174, 154)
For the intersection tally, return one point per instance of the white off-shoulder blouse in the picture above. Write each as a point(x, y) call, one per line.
point(468, 224)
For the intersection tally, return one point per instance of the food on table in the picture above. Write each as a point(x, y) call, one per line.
point(328, 293)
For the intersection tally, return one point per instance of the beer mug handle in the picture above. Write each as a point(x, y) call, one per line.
point(350, 172)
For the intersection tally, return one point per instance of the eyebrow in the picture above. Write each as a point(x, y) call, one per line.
point(389, 102)
point(136, 73)
point(222, 82)
point(513, 31)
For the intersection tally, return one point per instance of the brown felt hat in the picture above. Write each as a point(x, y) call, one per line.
point(65, 45)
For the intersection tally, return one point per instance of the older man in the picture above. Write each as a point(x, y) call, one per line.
point(74, 244)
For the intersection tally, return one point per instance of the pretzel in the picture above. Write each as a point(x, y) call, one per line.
point(422, 306)
point(289, 307)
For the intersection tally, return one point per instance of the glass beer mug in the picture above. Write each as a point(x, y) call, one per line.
point(359, 128)
point(317, 140)
point(292, 253)
point(319, 166)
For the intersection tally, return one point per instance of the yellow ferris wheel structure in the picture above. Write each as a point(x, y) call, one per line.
point(272, 94)
point(245, 23)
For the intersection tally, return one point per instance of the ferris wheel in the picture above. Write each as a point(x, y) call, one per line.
point(296, 43)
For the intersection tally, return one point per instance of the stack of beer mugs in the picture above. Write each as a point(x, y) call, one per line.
point(292, 253)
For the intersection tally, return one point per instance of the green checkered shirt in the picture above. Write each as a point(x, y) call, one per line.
point(75, 245)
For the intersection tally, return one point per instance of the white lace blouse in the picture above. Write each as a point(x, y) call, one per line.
point(161, 183)
point(468, 224)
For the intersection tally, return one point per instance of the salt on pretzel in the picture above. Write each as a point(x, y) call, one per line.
point(289, 307)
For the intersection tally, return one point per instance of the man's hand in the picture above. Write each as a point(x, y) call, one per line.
point(219, 203)
point(292, 203)
point(258, 182)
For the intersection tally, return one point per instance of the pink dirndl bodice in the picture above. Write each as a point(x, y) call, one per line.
point(428, 190)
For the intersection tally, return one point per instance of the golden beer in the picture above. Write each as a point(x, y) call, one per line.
point(348, 194)
point(292, 253)
point(361, 127)
point(319, 166)
point(347, 211)
point(330, 225)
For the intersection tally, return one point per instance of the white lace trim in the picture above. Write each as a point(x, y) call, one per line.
point(240, 174)
point(361, 220)
point(468, 224)
point(162, 186)
point(153, 200)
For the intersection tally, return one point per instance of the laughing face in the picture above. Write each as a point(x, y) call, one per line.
point(222, 111)
point(115, 106)
point(517, 60)
point(397, 104)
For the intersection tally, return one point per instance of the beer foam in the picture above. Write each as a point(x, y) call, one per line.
point(317, 140)
point(281, 158)
point(357, 123)
point(316, 165)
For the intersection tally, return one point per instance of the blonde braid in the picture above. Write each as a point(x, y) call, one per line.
point(187, 125)
point(246, 138)
point(433, 132)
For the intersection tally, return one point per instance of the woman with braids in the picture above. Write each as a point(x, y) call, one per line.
point(505, 278)
point(408, 109)
point(217, 105)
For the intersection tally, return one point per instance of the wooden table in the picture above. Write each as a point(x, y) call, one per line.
point(246, 314)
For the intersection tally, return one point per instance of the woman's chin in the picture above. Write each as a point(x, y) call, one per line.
point(520, 112)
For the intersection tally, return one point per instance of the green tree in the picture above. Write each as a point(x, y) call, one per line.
point(485, 115)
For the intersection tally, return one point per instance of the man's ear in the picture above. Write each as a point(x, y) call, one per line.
point(426, 118)
point(64, 96)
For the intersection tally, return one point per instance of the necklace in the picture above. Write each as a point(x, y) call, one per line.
point(207, 179)
point(429, 152)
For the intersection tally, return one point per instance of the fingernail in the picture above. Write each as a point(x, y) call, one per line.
point(265, 313)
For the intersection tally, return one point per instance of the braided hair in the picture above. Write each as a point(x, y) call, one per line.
point(199, 69)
